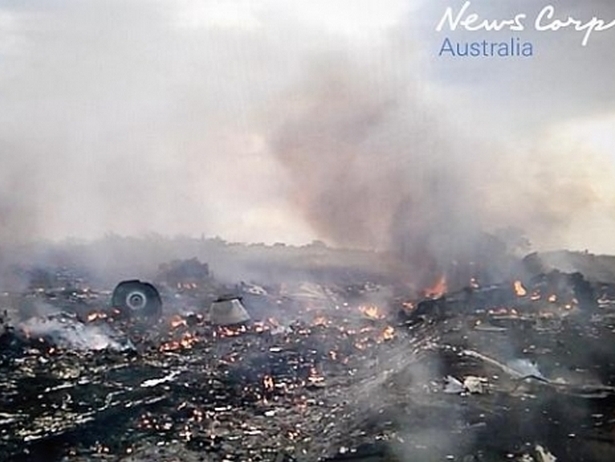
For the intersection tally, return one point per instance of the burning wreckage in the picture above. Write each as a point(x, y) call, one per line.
point(186, 369)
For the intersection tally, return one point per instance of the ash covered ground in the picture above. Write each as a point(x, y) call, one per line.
point(342, 365)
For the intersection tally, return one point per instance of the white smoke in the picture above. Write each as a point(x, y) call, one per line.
point(71, 334)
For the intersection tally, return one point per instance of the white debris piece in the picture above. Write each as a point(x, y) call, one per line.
point(544, 455)
point(474, 384)
point(153, 382)
point(452, 385)
point(525, 367)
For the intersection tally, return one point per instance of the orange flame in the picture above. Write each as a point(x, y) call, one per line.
point(388, 333)
point(96, 315)
point(519, 289)
point(177, 321)
point(535, 296)
point(372, 312)
point(186, 342)
point(438, 289)
point(230, 331)
point(314, 376)
point(268, 383)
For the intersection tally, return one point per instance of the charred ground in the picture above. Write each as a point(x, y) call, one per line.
point(339, 362)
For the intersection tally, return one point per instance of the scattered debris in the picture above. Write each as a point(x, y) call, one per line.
point(310, 372)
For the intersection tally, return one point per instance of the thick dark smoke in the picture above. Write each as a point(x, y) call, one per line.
point(327, 143)
point(373, 167)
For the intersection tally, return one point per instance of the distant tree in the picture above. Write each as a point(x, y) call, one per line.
point(318, 244)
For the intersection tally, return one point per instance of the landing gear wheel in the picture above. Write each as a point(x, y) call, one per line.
point(136, 299)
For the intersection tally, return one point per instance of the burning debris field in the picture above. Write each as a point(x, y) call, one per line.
point(520, 370)
point(291, 231)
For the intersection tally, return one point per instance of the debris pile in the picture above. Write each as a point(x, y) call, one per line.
point(520, 371)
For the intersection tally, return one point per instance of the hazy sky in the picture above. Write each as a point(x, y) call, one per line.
point(242, 118)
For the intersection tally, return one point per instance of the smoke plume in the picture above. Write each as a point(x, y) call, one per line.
point(378, 164)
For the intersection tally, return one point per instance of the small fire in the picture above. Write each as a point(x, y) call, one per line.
point(552, 298)
point(387, 334)
point(268, 383)
point(264, 326)
point(437, 290)
point(572, 304)
point(321, 321)
point(96, 315)
point(314, 376)
point(187, 341)
point(372, 312)
point(519, 289)
point(177, 321)
point(535, 296)
point(230, 331)
point(503, 311)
